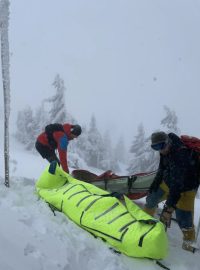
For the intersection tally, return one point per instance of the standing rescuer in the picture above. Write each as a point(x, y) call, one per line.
point(57, 136)
point(176, 181)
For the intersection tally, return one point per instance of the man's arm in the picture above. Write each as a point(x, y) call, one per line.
point(62, 143)
point(178, 172)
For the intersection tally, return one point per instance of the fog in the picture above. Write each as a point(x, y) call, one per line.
point(120, 60)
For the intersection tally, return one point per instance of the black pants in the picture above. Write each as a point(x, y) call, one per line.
point(46, 152)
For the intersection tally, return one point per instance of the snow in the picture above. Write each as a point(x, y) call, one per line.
point(33, 238)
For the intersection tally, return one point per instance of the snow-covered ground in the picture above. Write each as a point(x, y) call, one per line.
point(32, 238)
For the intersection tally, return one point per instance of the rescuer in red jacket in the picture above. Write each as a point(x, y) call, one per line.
point(57, 136)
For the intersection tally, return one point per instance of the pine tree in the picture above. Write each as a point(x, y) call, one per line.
point(152, 157)
point(107, 153)
point(40, 120)
point(94, 154)
point(170, 121)
point(138, 152)
point(30, 125)
point(82, 142)
point(5, 62)
point(120, 150)
point(58, 112)
point(26, 128)
point(20, 133)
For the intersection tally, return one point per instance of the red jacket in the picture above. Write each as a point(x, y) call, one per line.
point(62, 139)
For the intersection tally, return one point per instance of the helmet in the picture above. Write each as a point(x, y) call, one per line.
point(76, 130)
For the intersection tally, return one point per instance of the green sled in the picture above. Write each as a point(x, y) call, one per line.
point(123, 225)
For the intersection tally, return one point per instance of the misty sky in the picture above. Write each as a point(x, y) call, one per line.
point(122, 60)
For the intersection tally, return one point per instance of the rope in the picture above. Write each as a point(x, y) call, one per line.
point(162, 265)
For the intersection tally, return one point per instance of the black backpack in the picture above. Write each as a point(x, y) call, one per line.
point(49, 130)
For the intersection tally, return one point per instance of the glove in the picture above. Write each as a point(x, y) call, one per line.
point(166, 215)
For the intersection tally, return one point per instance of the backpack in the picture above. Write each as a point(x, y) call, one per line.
point(49, 130)
point(193, 143)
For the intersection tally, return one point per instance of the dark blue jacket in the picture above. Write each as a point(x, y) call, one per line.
point(178, 169)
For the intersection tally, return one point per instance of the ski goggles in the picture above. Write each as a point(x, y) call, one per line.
point(159, 146)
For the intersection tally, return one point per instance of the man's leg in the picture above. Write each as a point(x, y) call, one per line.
point(185, 218)
point(46, 152)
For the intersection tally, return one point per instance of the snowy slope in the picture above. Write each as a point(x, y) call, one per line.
point(32, 238)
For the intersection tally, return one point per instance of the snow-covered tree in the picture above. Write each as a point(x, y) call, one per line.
point(29, 126)
point(117, 156)
point(40, 120)
point(170, 121)
point(58, 112)
point(152, 157)
point(26, 128)
point(5, 63)
point(107, 152)
point(120, 150)
point(80, 144)
point(20, 133)
point(138, 152)
point(77, 150)
point(94, 154)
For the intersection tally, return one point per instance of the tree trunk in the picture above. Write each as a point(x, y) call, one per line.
point(4, 18)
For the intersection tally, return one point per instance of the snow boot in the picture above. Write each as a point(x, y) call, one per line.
point(189, 239)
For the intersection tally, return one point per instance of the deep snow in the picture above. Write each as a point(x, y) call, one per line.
point(32, 238)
